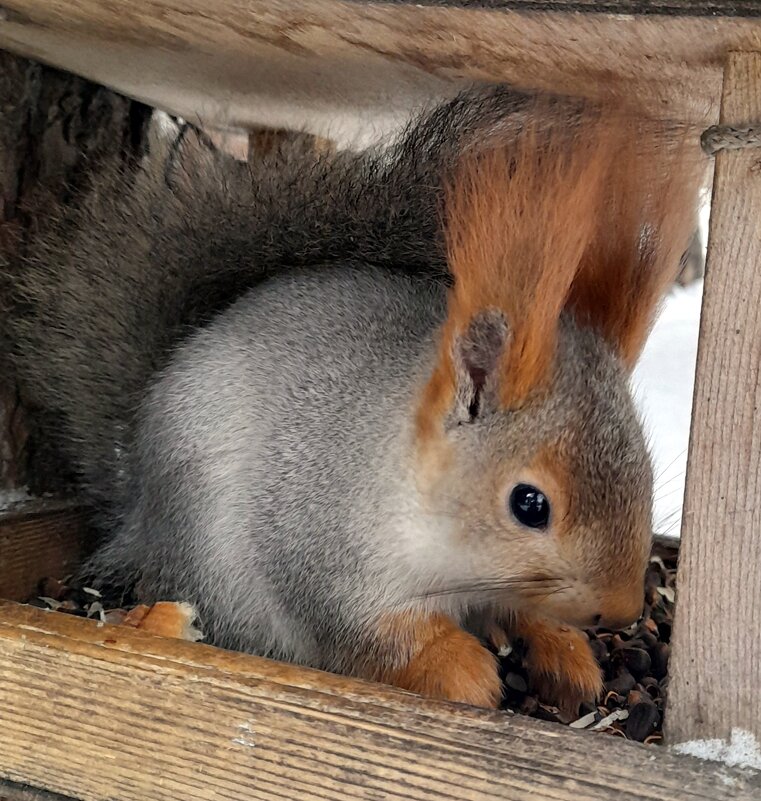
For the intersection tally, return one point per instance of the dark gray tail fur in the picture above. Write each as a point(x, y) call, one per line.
point(148, 254)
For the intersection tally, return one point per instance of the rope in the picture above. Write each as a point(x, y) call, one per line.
point(727, 137)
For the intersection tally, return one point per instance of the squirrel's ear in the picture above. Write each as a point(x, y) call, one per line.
point(643, 228)
point(476, 358)
point(517, 220)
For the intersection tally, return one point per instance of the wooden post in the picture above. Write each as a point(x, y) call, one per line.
point(716, 663)
point(265, 141)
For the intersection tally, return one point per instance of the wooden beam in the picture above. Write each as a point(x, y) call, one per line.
point(39, 539)
point(340, 69)
point(110, 713)
point(716, 662)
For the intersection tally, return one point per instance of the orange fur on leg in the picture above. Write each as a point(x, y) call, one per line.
point(560, 663)
point(440, 661)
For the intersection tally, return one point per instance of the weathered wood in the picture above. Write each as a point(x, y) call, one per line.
point(333, 66)
point(109, 713)
point(716, 662)
point(38, 540)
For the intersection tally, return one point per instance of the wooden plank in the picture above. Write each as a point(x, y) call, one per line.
point(128, 717)
point(39, 539)
point(339, 68)
point(716, 662)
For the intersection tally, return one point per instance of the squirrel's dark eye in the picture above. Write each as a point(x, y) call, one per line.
point(530, 506)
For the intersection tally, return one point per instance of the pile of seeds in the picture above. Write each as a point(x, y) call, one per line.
point(108, 604)
point(167, 619)
point(634, 663)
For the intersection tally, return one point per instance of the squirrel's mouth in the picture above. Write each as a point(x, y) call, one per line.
point(572, 603)
point(578, 605)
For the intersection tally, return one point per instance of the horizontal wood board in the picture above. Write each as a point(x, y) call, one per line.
point(107, 713)
point(40, 539)
point(354, 70)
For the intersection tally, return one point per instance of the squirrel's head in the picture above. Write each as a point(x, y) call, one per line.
point(560, 245)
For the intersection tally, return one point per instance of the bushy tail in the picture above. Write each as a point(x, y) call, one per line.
point(148, 254)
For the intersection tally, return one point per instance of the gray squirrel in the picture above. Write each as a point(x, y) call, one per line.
point(364, 409)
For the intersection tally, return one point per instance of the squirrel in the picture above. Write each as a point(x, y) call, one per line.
point(365, 409)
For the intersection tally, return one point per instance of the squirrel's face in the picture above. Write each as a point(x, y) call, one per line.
point(560, 244)
point(551, 502)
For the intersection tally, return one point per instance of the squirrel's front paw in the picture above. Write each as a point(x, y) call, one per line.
point(450, 665)
point(561, 665)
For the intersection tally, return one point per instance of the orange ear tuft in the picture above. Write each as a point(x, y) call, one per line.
point(643, 229)
point(518, 220)
point(587, 209)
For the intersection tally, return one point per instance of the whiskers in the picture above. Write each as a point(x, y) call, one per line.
point(440, 584)
point(485, 591)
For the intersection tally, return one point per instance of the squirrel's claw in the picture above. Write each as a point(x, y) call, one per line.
point(449, 664)
point(561, 665)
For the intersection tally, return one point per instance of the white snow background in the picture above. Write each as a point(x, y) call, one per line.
point(663, 383)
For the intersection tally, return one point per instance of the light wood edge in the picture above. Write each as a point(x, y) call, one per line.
point(352, 71)
point(163, 709)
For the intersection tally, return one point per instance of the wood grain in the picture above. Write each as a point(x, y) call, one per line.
point(716, 663)
point(109, 713)
point(354, 70)
point(37, 540)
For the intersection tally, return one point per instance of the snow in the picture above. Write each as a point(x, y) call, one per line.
point(663, 382)
point(10, 497)
point(743, 750)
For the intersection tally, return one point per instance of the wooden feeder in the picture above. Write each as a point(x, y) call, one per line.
point(98, 712)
